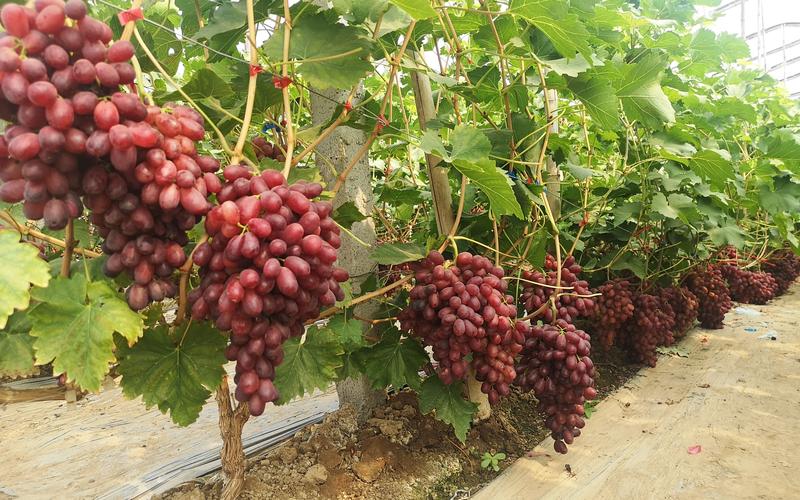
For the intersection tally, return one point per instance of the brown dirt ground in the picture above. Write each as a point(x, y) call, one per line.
point(398, 453)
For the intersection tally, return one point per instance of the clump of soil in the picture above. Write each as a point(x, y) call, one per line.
point(397, 453)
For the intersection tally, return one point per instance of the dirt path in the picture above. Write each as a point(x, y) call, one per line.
point(735, 395)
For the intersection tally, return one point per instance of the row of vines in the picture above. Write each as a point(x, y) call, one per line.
point(186, 183)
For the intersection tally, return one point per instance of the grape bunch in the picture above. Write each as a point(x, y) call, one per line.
point(612, 309)
point(556, 366)
point(76, 140)
point(265, 149)
point(267, 268)
point(650, 326)
point(784, 266)
point(712, 294)
point(540, 286)
point(463, 309)
point(684, 306)
point(747, 286)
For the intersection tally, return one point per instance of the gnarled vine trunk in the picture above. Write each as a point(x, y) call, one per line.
point(231, 423)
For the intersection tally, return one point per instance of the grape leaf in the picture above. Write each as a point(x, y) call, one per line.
point(469, 144)
point(175, 371)
point(397, 253)
point(564, 29)
point(597, 94)
point(348, 214)
point(21, 268)
point(308, 364)
point(449, 404)
point(494, 183)
point(350, 331)
point(713, 166)
point(418, 9)
point(16, 347)
point(642, 96)
point(339, 65)
point(395, 361)
point(74, 328)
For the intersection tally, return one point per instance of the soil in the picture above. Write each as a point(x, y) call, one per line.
point(398, 453)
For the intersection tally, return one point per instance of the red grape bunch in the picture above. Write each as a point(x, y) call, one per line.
point(747, 286)
point(52, 75)
point(650, 326)
point(265, 149)
point(463, 309)
point(568, 307)
point(76, 139)
point(267, 268)
point(611, 310)
point(684, 306)
point(556, 366)
point(711, 291)
point(784, 266)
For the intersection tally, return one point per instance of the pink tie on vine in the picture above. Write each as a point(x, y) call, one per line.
point(130, 15)
point(281, 82)
point(256, 69)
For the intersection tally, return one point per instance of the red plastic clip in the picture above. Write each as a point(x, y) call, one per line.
point(382, 122)
point(255, 69)
point(281, 82)
point(348, 106)
point(130, 15)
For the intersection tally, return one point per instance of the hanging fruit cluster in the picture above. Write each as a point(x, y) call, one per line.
point(267, 268)
point(80, 136)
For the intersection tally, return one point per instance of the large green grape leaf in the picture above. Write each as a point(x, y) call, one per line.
point(711, 165)
point(642, 96)
point(394, 361)
point(175, 371)
point(16, 347)
point(310, 362)
point(564, 29)
point(597, 94)
point(449, 404)
point(21, 268)
point(494, 183)
point(74, 328)
point(418, 9)
point(397, 253)
point(335, 53)
point(469, 144)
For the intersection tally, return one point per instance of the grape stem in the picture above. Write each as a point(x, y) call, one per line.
point(69, 244)
point(287, 104)
point(251, 85)
point(27, 231)
point(183, 285)
point(367, 296)
point(363, 150)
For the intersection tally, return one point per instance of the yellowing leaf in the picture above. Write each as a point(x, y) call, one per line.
point(21, 268)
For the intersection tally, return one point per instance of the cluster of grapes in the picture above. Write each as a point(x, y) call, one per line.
point(539, 287)
point(747, 286)
point(784, 266)
point(612, 309)
point(267, 268)
point(556, 366)
point(684, 306)
point(265, 149)
point(76, 139)
point(463, 309)
point(711, 291)
point(650, 326)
